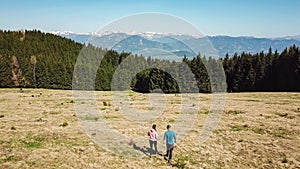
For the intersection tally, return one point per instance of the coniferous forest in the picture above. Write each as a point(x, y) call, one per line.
point(35, 59)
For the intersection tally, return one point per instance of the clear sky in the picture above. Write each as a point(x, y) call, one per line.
point(260, 18)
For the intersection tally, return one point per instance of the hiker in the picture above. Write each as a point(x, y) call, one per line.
point(153, 139)
point(170, 138)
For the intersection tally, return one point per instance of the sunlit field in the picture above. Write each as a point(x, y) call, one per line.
point(40, 129)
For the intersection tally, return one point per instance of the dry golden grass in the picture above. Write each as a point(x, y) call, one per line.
point(40, 129)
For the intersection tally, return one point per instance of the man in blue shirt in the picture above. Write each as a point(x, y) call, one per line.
point(170, 138)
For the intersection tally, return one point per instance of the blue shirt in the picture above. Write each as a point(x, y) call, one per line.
point(170, 136)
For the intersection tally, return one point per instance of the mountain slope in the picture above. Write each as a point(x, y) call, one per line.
point(179, 44)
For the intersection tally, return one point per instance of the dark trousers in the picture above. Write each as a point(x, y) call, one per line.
point(170, 148)
point(153, 143)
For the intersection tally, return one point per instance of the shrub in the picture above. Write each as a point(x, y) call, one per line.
point(64, 124)
point(39, 120)
point(284, 160)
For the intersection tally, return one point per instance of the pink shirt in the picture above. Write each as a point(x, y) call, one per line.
point(153, 135)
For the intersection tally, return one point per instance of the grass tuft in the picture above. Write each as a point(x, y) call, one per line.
point(181, 161)
point(171, 121)
point(203, 112)
point(87, 118)
point(281, 114)
point(32, 142)
point(239, 127)
point(259, 130)
point(8, 159)
point(106, 103)
point(234, 112)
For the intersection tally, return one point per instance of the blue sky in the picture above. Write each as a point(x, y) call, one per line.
point(260, 18)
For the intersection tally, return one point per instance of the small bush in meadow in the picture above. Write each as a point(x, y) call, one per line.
point(64, 124)
point(105, 103)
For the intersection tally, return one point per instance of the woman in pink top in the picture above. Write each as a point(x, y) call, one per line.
point(153, 139)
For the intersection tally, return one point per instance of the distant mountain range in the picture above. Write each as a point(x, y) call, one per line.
point(165, 46)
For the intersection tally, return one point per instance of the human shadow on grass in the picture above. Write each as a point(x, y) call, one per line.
point(147, 150)
point(144, 149)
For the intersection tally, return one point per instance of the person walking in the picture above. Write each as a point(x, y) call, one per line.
point(170, 140)
point(153, 136)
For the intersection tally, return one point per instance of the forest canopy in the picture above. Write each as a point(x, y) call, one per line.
point(35, 59)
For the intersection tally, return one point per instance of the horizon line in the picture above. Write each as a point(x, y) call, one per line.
point(58, 32)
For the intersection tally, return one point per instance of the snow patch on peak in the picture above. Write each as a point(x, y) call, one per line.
point(147, 35)
point(62, 32)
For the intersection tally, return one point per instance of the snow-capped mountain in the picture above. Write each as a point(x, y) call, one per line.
point(292, 37)
point(155, 44)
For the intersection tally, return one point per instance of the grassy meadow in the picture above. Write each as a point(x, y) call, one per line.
point(40, 128)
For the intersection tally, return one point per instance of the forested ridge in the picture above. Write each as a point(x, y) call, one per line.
point(43, 60)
